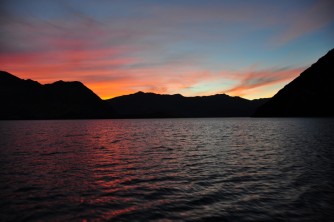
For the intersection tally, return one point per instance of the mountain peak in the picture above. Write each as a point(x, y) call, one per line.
point(6, 76)
point(67, 83)
point(27, 99)
point(310, 94)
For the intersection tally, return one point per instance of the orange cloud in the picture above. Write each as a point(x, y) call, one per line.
point(65, 64)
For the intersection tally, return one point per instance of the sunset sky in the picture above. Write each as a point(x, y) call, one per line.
point(115, 47)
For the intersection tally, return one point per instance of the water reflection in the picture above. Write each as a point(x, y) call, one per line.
point(194, 169)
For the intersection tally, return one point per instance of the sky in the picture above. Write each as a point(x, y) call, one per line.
point(190, 47)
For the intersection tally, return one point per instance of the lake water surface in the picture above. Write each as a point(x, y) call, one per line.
point(224, 169)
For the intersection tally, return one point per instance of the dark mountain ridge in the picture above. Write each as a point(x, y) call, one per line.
point(28, 99)
point(311, 94)
point(151, 105)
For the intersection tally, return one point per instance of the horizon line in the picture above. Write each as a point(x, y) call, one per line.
point(136, 92)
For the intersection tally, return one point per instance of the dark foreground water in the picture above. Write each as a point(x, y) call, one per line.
point(234, 169)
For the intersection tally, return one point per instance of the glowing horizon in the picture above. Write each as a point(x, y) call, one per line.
point(193, 48)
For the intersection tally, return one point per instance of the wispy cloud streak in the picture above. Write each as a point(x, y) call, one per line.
point(262, 78)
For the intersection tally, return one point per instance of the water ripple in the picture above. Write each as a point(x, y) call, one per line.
point(234, 169)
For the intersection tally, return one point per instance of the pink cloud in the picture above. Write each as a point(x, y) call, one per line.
point(262, 78)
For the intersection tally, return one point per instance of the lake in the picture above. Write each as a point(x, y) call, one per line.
point(210, 169)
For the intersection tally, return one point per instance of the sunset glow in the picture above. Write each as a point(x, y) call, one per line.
point(249, 49)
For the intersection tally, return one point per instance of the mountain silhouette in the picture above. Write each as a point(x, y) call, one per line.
point(309, 95)
point(151, 105)
point(28, 99)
